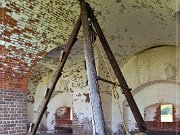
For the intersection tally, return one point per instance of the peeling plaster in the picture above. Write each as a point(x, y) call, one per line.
point(36, 27)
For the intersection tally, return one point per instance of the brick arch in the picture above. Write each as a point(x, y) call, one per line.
point(41, 69)
point(49, 63)
point(155, 99)
point(17, 67)
point(27, 35)
point(60, 89)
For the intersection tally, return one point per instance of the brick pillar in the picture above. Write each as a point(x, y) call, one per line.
point(13, 112)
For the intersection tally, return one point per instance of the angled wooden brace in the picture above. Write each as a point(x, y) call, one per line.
point(56, 75)
point(137, 115)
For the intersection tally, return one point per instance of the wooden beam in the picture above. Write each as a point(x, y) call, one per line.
point(97, 112)
point(104, 80)
point(126, 90)
point(56, 75)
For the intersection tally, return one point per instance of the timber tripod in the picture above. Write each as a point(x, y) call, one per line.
point(86, 18)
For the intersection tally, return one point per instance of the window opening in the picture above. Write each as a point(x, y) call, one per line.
point(167, 113)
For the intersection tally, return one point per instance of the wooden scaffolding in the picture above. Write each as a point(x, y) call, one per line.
point(86, 19)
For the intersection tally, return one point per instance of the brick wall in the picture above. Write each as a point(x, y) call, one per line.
point(64, 119)
point(163, 126)
point(13, 113)
point(158, 127)
point(82, 127)
point(28, 29)
point(65, 116)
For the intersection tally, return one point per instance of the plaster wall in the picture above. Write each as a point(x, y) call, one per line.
point(71, 89)
point(39, 95)
point(153, 64)
point(156, 93)
point(61, 97)
point(60, 100)
point(112, 113)
point(154, 77)
point(31, 28)
point(150, 71)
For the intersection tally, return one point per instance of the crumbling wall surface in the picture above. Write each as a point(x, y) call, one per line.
point(60, 100)
point(31, 28)
point(160, 63)
point(71, 90)
point(154, 77)
point(155, 124)
point(155, 94)
point(28, 29)
point(75, 74)
point(112, 103)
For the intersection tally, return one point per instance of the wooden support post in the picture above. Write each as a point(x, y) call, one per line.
point(137, 115)
point(97, 112)
point(56, 75)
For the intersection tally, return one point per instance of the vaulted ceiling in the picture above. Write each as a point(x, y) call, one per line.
point(37, 26)
point(31, 28)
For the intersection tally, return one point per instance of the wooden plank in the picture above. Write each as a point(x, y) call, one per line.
point(97, 112)
point(126, 90)
point(56, 75)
